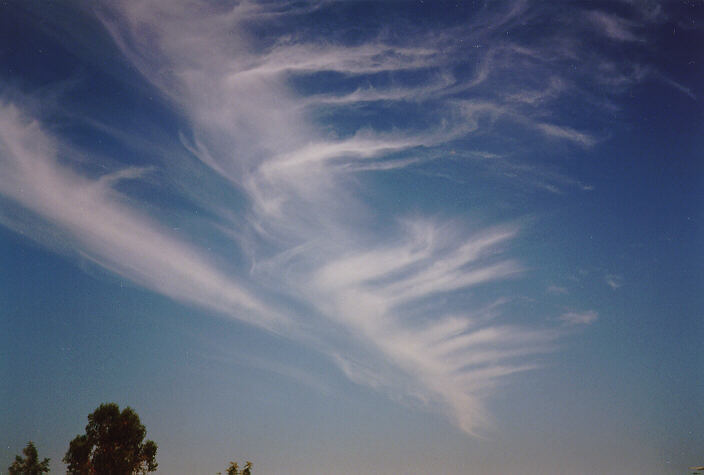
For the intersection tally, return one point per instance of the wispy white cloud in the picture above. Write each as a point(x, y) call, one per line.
point(554, 89)
point(612, 26)
point(566, 133)
point(613, 281)
point(439, 85)
point(226, 355)
point(309, 236)
point(368, 58)
point(308, 233)
point(106, 230)
point(680, 87)
point(579, 318)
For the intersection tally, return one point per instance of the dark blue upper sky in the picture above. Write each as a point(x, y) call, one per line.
point(332, 237)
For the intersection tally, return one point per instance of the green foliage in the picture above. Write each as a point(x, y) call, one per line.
point(234, 469)
point(30, 465)
point(112, 445)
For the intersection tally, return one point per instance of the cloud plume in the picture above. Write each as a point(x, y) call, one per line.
point(390, 297)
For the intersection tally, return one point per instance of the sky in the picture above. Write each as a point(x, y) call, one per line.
point(341, 237)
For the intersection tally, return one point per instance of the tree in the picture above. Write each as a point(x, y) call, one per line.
point(112, 445)
point(234, 469)
point(30, 465)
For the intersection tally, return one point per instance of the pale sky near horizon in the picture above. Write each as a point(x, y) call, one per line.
point(341, 237)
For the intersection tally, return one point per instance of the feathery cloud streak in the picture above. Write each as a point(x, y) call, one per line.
point(248, 126)
point(257, 120)
point(106, 230)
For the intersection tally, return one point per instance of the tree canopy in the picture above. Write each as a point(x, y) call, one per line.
point(112, 445)
point(234, 469)
point(30, 465)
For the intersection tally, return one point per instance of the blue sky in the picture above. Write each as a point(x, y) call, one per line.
point(332, 237)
